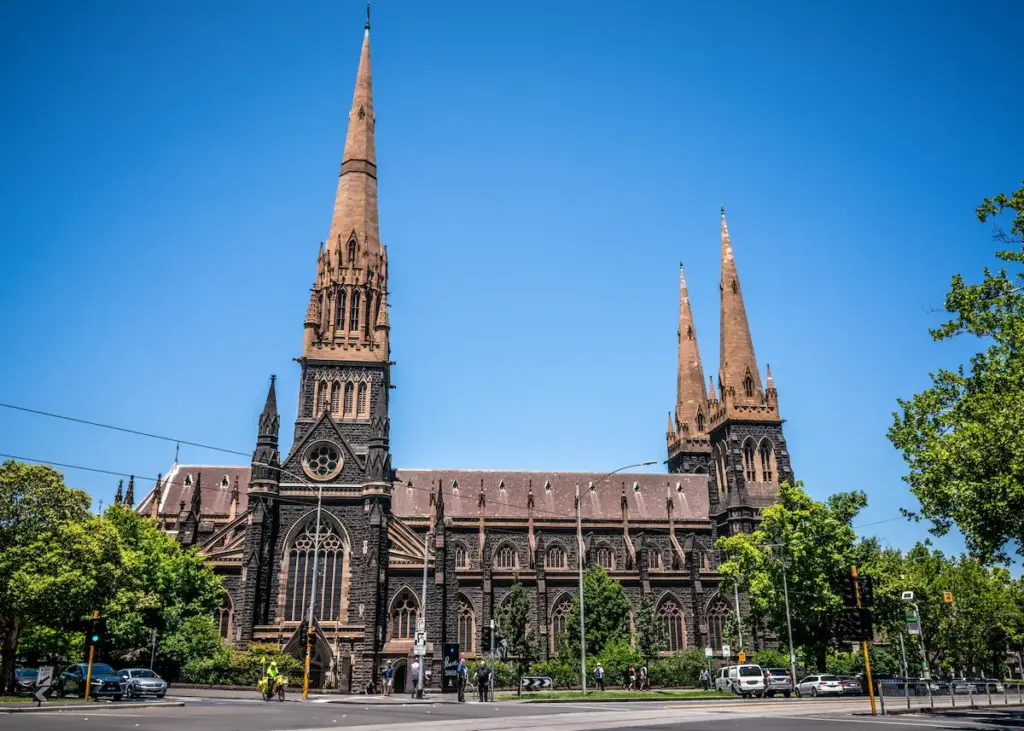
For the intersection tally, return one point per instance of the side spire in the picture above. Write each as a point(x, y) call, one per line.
point(691, 398)
point(738, 364)
point(129, 496)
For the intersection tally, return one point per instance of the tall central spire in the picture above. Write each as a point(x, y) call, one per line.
point(738, 370)
point(343, 318)
point(691, 398)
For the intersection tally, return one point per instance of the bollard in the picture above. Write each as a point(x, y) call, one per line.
point(988, 692)
point(952, 691)
point(928, 685)
point(881, 696)
point(906, 690)
point(1006, 701)
point(970, 695)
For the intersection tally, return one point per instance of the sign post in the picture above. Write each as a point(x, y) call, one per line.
point(741, 657)
point(726, 651)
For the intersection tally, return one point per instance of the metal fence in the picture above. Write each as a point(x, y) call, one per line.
point(896, 695)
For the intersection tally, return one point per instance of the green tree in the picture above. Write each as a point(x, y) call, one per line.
point(514, 626)
point(607, 614)
point(650, 633)
point(56, 559)
point(820, 546)
point(961, 436)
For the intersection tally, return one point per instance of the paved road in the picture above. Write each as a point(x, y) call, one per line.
point(209, 714)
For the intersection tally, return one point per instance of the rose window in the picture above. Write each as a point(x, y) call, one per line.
point(322, 461)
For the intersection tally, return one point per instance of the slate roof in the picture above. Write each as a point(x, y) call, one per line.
point(218, 481)
point(554, 494)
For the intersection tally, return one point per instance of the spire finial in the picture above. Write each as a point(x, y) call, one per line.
point(367, 16)
point(722, 209)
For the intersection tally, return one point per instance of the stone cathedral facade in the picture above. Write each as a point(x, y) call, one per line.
point(478, 531)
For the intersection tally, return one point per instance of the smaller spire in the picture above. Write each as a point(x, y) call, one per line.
point(119, 495)
point(197, 496)
point(157, 494)
point(129, 496)
point(770, 381)
point(367, 26)
point(670, 431)
point(270, 407)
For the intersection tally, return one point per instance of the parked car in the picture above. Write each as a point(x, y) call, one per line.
point(815, 685)
point(25, 681)
point(994, 685)
point(746, 680)
point(777, 680)
point(141, 681)
point(105, 682)
point(851, 685)
point(722, 684)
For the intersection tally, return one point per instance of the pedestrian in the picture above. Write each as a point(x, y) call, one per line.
point(417, 689)
point(389, 679)
point(483, 680)
point(462, 675)
point(631, 671)
point(644, 684)
point(705, 678)
point(599, 676)
point(371, 687)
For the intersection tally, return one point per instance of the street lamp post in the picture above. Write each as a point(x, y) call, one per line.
point(924, 655)
point(421, 619)
point(579, 554)
point(789, 623)
point(316, 561)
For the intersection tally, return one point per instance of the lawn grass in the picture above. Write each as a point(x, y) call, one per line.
point(597, 695)
point(30, 699)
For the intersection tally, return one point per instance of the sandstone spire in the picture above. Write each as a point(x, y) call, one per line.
point(738, 370)
point(691, 399)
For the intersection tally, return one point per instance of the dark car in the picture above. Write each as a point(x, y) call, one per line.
point(851, 685)
point(140, 682)
point(25, 681)
point(105, 682)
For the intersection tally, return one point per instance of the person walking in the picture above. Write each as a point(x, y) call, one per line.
point(631, 671)
point(417, 689)
point(483, 680)
point(644, 684)
point(389, 678)
point(705, 678)
point(599, 676)
point(462, 676)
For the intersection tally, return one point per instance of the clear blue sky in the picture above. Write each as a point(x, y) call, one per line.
point(169, 170)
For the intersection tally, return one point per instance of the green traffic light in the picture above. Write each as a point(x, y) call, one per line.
point(95, 638)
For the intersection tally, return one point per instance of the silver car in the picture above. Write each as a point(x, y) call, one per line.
point(815, 685)
point(777, 680)
point(140, 682)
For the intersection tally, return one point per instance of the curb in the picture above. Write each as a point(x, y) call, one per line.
point(60, 707)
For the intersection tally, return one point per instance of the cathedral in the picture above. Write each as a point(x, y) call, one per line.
point(477, 532)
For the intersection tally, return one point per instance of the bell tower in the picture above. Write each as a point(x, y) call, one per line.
point(748, 450)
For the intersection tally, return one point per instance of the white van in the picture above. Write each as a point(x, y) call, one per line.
point(744, 680)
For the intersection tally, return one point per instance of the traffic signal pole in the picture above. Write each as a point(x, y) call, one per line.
point(864, 644)
point(88, 674)
point(93, 639)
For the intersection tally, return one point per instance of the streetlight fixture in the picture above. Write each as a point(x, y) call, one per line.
point(579, 562)
point(319, 490)
point(908, 597)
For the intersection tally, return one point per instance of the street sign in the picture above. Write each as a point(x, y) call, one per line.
point(529, 682)
point(421, 624)
point(947, 596)
point(708, 652)
point(420, 647)
point(742, 657)
point(43, 682)
point(913, 623)
point(726, 651)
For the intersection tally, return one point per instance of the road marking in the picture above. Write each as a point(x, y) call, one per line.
point(886, 721)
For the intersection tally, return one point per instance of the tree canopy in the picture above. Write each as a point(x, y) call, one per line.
point(607, 614)
point(961, 436)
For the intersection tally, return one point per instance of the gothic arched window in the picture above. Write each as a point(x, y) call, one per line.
point(674, 621)
point(506, 558)
point(558, 622)
point(700, 421)
point(605, 557)
point(353, 323)
point(322, 403)
point(653, 559)
point(363, 401)
point(717, 615)
point(461, 557)
point(329, 556)
point(403, 616)
point(339, 319)
point(749, 463)
point(336, 398)
point(352, 252)
point(225, 618)
point(366, 318)
point(555, 558)
point(467, 626)
point(350, 390)
point(767, 462)
point(748, 386)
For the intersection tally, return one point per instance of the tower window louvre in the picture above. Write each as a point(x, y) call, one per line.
point(767, 458)
point(353, 323)
point(700, 421)
point(748, 386)
point(366, 317)
point(352, 252)
point(339, 321)
point(749, 465)
point(336, 398)
point(689, 332)
point(363, 401)
point(322, 403)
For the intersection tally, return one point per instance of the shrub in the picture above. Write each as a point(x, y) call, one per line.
point(679, 670)
point(562, 674)
point(771, 659)
point(231, 667)
point(615, 658)
point(505, 675)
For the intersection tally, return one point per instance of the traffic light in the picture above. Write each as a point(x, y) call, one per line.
point(867, 590)
point(303, 634)
point(855, 625)
point(487, 636)
point(95, 632)
point(849, 593)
